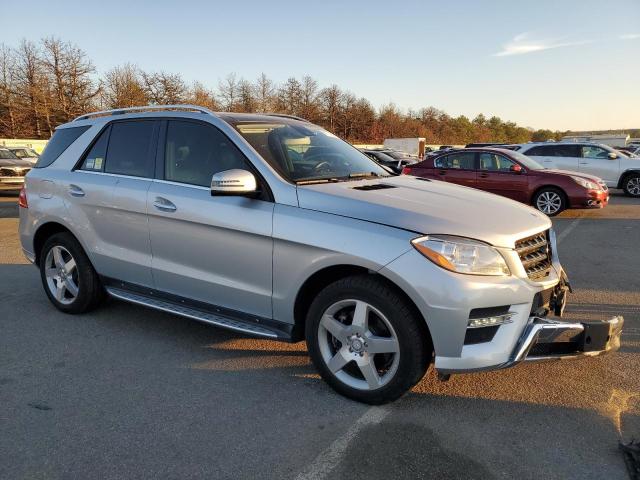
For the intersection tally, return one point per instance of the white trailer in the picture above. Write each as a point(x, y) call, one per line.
point(412, 146)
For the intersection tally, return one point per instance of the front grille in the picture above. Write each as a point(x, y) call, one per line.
point(535, 255)
point(13, 172)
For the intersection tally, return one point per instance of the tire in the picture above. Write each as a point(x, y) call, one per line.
point(68, 278)
point(550, 201)
point(342, 350)
point(631, 185)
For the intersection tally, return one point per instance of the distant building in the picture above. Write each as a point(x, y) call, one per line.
point(619, 140)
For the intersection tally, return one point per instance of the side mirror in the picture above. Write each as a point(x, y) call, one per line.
point(515, 168)
point(612, 155)
point(234, 182)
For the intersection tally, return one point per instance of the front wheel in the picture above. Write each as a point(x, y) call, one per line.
point(632, 185)
point(550, 201)
point(366, 341)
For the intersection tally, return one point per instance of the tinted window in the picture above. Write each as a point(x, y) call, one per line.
point(61, 140)
point(7, 154)
point(129, 149)
point(589, 151)
point(195, 151)
point(94, 160)
point(461, 160)
point(554, 151)
point(495, 163)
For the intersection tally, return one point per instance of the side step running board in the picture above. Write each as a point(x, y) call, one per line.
point(195, 314)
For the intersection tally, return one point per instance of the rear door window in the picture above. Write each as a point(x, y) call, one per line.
point(61, 140)
point(129, 151)
point(459, 161)
point(554, 151)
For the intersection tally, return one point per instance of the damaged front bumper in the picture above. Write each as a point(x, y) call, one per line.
point(546, 339)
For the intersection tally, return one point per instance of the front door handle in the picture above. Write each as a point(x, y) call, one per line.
point(75, 191)
point(442, 172)
point(584, 163)
point(484, 175)
point(164, 205)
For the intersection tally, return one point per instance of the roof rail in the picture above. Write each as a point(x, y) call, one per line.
point(284, 115)
point(122, 111)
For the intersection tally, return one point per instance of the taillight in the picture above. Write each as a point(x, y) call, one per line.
point(406, 171)
point(22, 198)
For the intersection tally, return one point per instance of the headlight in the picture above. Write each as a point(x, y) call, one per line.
point(461, 255)
point(586, 183)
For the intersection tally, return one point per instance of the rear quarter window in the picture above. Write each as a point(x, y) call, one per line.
point(60, 141)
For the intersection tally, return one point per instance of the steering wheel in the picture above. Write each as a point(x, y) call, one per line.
point(322, 166)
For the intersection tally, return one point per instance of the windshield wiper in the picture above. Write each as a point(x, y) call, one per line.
point(312, 180)
point(363, 175)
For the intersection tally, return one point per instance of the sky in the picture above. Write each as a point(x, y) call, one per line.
point(562, 64)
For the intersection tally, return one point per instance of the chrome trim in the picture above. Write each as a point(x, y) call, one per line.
point(148, 108)
point(118, 175)
point(179, 184)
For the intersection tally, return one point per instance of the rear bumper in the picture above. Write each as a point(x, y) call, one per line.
point(545, 339)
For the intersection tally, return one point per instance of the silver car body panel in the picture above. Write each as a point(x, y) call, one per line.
point(254, 256)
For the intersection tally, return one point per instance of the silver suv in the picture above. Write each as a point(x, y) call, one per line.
point(274, 227)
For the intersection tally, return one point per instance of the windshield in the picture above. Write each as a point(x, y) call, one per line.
point(528, 162)
point(6, 154)
point(305, 152)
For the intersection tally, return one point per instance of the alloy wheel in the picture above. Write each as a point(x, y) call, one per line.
point(61, 274)
point(549, 202)
point(633, 186)
point(358, 344)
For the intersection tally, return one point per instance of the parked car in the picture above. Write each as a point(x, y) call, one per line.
point(274, 227)
point(616, 169)
point(387, 160)
point(513, 175)
point(12, 170)
point(25, 153)
point(631, 150)
point(476, 145)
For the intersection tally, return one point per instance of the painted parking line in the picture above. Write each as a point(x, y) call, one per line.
point(562, 235)
point(324, 463)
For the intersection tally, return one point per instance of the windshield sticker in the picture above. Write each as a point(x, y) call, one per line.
point(98, 165)
point(90, 163)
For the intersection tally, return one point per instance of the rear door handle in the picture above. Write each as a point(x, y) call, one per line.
point(584, 163)
point(484, 175)
point(442, 172)
point(75, 191)
point(164, 205)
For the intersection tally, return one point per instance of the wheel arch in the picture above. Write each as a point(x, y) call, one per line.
point(549, 186)
point(45, 231)
point(329, 274)
point(625, 175)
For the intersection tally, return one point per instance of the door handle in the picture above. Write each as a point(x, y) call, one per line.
point(75, 191)
point(164, 205)
point(484, 175)
point(584, 163)
point(442, 172)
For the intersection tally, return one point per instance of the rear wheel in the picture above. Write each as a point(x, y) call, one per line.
point(550, 201)
point(366, 341)
point(67, 275)
point(631, 185)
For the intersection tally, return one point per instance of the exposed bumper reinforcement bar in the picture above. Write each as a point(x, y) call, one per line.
point(545, 339)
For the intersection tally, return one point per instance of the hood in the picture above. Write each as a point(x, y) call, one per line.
point(15, 162)
point(427, 207)
point(586, 176)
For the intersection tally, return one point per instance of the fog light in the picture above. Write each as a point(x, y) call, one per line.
point(490, 321)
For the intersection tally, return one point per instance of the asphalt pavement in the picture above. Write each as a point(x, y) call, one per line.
point(128, 392)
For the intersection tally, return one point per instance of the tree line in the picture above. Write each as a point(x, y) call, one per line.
point(46, 83)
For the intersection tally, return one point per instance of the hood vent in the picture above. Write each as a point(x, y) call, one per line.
point(376, 186)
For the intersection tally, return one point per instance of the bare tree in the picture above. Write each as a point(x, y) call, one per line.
point(264, 92)
point(200, 95)
point(229, 92)
point(8, 120)
point(123, 87)
point(164, 88)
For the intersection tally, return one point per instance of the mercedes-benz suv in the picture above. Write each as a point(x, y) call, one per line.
point(274, 227)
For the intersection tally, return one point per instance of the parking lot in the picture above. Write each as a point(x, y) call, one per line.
point(127, 392)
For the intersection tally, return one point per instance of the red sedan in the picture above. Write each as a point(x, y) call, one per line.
point(511, 174)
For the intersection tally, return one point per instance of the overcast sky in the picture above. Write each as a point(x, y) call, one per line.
point(562, 64)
